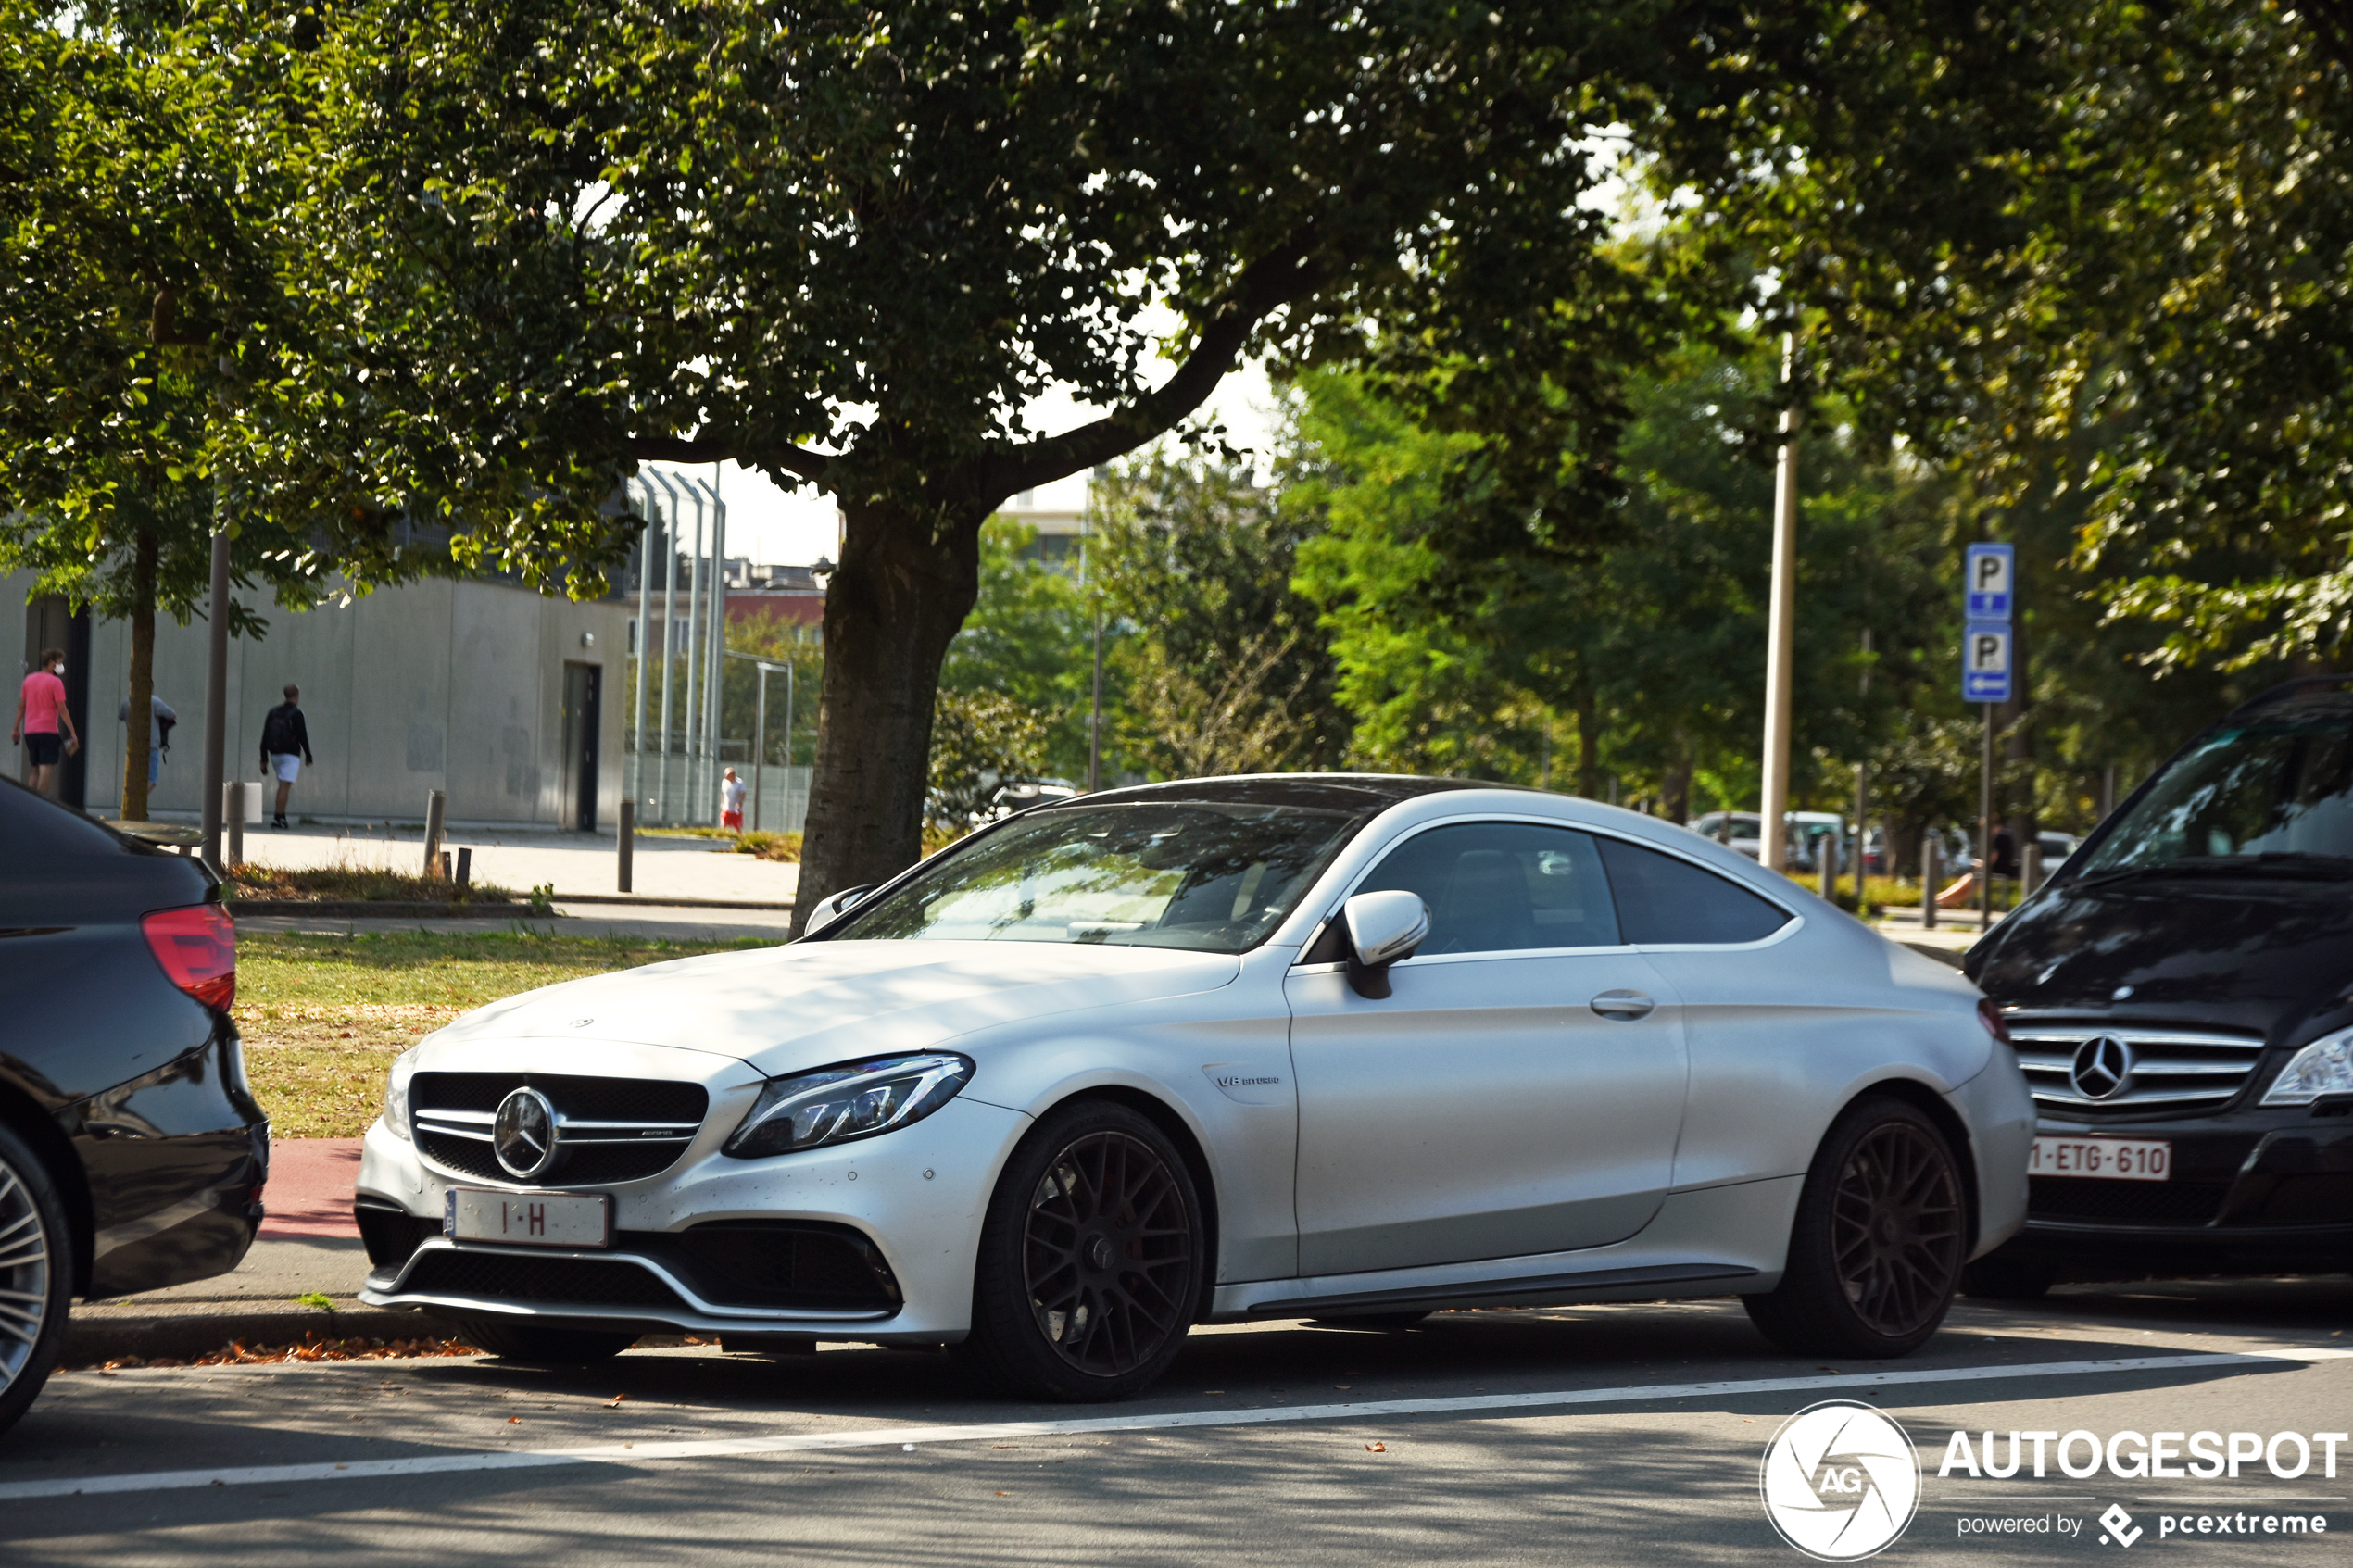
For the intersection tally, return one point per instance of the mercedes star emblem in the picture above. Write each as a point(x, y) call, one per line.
point(524, 1135)
point(2103, 1065)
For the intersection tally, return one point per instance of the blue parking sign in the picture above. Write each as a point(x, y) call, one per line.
point(1985, 661)
point(1990, 579)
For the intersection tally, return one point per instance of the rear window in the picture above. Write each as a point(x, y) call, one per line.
point(1665, 901)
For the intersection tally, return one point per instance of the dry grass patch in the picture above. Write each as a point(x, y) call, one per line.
point(323, 1016)
point(357, 884)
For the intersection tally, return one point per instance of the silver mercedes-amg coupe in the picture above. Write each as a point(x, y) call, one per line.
point(1332, 1047)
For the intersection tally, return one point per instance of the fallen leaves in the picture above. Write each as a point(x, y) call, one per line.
point(1377, 1447)
point(312, 1348)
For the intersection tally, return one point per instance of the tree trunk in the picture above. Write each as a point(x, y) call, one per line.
point(140, 725)
point(1588, 743)
point(902, 591)
point(1676, 789)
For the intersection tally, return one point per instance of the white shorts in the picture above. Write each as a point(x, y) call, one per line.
point(286, 766)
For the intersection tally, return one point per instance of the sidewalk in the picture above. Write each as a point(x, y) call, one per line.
point(571, 863)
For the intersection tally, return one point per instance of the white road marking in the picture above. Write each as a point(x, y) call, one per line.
point(808, 1442)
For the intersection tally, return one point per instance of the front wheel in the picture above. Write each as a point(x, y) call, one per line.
point(36, 1276)
point(1875, 1254)
point(1090, 1264)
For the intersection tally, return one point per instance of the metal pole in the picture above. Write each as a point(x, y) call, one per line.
point(437, 805)
point(669, 635)
point(1862, 830)
point(232, 811)
point(715, 645)
point(1985, 830)
point(1928, 880)
point(696, 739)
point(1772, 836)
point(759, 750)
point(216, 683)
point(788, 751)
point(645, 632)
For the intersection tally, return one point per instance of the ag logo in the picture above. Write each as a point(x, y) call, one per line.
point(1840, 1481)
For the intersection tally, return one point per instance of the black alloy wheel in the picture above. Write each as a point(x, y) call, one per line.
point(1875, 1255)
point(1090, 1259)
point(36, 1276)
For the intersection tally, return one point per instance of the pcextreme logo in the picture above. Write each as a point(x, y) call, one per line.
point(1840, 1481)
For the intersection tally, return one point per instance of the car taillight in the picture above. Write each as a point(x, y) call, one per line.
point(198, 947)
point(1991, 1016)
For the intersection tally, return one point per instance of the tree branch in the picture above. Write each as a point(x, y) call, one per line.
point(1272, 281)
point(678, 449)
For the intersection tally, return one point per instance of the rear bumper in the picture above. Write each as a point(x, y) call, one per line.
point(2254, 1192)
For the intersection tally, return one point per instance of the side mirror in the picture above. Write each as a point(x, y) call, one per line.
point(1383, 928)
point(832, 907)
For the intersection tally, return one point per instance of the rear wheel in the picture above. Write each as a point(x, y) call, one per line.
point(36, 1276)
point(1090, 1258)
point(1875, 1255)
point(526, 1340)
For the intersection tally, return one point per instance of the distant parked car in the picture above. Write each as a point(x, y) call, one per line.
point(132, 1152)
point(2178, 993)
point(1222, 1050)
point(1807, 832)
point(1023, 793)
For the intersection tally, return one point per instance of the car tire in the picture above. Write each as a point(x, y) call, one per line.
point(1875, 1253)
point(525, 1340)
point(1997, 1278)
point(36, 1276)
point(1091, 1258)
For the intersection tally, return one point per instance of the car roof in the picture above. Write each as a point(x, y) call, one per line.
point(1353, 792)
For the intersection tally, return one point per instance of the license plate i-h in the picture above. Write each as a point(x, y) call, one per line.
point(528, 1219)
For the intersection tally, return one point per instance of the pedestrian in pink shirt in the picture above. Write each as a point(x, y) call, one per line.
point(41, 712)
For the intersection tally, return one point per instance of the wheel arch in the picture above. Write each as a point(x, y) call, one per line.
point(23, 1116)
point(1171, 1121)
point(1938, 1110)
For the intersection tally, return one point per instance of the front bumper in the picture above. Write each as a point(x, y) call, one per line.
point(873, 1240)
point(2261, 1191)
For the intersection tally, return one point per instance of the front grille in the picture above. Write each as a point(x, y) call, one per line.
point(808, 1265)
point(567, 1282)
point(2173, 1071)
point(608, 1130)
point(2071, 1199)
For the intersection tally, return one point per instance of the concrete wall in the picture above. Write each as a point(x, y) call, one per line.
point(457, 686)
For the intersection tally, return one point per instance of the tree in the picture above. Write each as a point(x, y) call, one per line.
point(848, 245)
point(1028, 640)
point(1221, 667)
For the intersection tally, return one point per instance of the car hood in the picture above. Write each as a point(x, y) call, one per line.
point(2242, 954)
point(784, 1008)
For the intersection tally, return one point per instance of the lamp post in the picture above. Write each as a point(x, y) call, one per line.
point(1772, 845)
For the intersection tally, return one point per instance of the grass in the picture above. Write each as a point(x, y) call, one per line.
point(323, 1016)
point(784, 846)
point(357, 884)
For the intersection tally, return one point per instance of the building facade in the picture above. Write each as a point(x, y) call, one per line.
point(508, 701)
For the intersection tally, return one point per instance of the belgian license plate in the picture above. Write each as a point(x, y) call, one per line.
point(2111, 1160)
point(528, 1219)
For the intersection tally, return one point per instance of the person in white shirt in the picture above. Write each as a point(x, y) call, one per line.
point(731, 802)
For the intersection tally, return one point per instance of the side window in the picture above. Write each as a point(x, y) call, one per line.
point(1501, 887)
point(1662, 899)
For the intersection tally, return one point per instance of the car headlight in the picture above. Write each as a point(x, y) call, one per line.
point(857, 1099)
point(395, 1112)
point(2324, 1067)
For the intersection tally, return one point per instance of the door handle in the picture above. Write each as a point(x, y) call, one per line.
point(1624, 1007)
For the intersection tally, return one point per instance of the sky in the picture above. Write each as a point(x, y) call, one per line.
point(793, 528)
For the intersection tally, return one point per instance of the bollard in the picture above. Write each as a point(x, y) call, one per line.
point(444, 865)
point(1928, 882)
point(465, 867)
point(437, 804)
point(2029, 872)
point(1830, 867)
point(233, 813)
point(625, 842)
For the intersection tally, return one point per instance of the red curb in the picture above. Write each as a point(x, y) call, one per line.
point(311, 1186)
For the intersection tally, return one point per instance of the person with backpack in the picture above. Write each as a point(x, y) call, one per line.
point(162, 717)
point(285, 746)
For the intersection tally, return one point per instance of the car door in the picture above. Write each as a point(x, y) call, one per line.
point(1520, 1089)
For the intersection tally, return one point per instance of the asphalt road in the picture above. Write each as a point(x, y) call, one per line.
point(1592, 1435)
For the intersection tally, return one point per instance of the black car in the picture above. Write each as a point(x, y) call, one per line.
point(2181, 997)
point(132, 1152)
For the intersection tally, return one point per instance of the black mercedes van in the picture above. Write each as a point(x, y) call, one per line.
point(2181, 997)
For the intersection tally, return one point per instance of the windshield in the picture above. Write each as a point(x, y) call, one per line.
point(2272, 795)
point(1214, 878)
